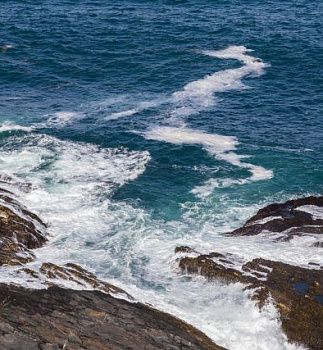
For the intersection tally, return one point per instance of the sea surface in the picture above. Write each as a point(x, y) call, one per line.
point(144, 125)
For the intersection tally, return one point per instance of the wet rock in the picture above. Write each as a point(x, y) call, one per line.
point(14, 253)
point(11, 182)
point(205, 265)
point(57, 318)
point(78, 275)
point(21, 225)
point(32, 273)
point(297, 292)
point(184, 249)
point(292, 218)
point(20, 231)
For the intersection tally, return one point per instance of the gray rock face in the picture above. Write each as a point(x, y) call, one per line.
point(57, 318)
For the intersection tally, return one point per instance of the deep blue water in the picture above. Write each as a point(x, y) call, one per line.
point(69, 55)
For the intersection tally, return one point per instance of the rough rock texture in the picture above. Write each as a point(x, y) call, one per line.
point(59, 318)
point(20, 231)
point(287, 218)
point(55, 274)
point(297, 292)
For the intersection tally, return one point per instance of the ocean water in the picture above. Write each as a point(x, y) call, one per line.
point(144, 125)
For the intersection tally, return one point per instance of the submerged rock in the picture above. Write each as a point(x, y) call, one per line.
point(297, 292)
point(57, 318)
point(293, 218)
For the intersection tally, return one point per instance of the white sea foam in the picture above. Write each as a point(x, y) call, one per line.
point(4, 48)
point(63, 118)
point(219, 146)
point(122, 114)
point(210, 185)
point(238, 53)
point(9, 126)
point(73, 163)
point(116, 107)
point(314, 210)
point(265, 220)
point(194, 97)
point(200, 94)
point(139, 107)
point(214, 144)
point(223, 312)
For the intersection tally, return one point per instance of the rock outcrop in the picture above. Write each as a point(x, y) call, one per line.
point(297, 292)
point(57, 318)
point(98, 315)
point(52, 274)
point(20, 231)
point(94, 315)
point(293, 218)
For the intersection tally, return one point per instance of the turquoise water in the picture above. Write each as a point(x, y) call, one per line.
point(147, 124)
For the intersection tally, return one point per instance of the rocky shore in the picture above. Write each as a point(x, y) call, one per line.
point(293, 218)
point(297, 292)
point(98, 315)
point(101, 316)
point(57, 318)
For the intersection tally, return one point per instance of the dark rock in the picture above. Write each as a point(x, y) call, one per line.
point(29, 272)
point(296, 291)
point(21, 225)
point(207, 267)
point(184, 249)
point(57, 318)
point(80, 276)
point(284, 218)
point(20, 231)
point(14, 253)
